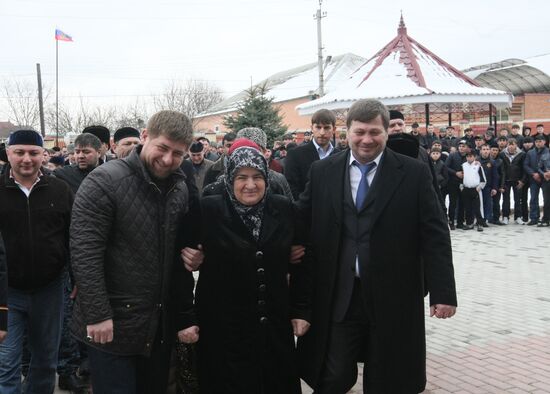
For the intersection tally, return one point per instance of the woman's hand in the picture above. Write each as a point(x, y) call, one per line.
point(192, 258)
point(296, 253)
point(300, 326)
point(189, 335)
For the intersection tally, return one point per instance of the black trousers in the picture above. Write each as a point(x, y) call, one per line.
point(508, 187)
point(496, 206)
point(470, 199)
point(116, 374)
point(456, 209)
point(351, 341)
point(546, 201)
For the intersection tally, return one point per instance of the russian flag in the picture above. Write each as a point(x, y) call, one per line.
point(60, 36)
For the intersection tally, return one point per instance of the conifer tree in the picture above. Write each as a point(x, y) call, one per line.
point(258, 110)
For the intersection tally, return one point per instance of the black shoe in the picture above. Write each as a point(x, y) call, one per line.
point(484, 224)
point(460, 226)
point(452, 226)
point(543, 224)
point(71, 383)
point(479, 227)
point(531, 222)
point(468, 227)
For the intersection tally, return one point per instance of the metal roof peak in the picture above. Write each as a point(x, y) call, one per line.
point(402, 29)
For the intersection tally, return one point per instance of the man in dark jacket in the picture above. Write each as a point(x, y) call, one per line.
point(134, 293)
point(544, 171)
point(104, 136)
point(515, 179)
point(531, 167)
point(87, 148)
point(125, 140)
point(491, 187)
point(299, 160)
point(35, 214)
point(218, 167)
point(454, 168)
point(495, 152)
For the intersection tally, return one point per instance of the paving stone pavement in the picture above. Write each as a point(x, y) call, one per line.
point(499, 340)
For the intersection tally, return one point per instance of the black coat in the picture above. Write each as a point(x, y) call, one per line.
point(297, 164)
point(514, 170)
point(72, 175)
point(246, 342)
point(410, 253)
point(441, 173)
point(3, 287)
point(454, 165)
point(35, 230)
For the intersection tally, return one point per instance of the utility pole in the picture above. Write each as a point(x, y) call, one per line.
point(318, 16)
point(40, 100)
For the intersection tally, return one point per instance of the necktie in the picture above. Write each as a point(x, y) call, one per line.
point(363, 188)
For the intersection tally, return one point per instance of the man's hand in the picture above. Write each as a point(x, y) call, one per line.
point(459, 174)
point(519, 185)
point(300, 326)
point(74, 292)
point(547, 175)
point(3, 335)
point(296, 253)
point(502, 190)
point(536, 177)
point(192, 258)
point(493, 192)
point(478, 189)
point(442, 311)
point(100, 332)
point(189, 335)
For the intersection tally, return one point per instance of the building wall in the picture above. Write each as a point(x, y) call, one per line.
point(287, 110)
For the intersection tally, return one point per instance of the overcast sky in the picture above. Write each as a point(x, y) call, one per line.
point(124, 49)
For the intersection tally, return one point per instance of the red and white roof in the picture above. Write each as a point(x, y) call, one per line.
point(405, 72)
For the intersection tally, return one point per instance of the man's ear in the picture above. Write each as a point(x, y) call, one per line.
point(144, 135)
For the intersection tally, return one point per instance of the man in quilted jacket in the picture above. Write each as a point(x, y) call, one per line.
point(134, 292)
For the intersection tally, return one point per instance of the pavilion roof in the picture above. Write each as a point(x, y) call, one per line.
point(404, 72)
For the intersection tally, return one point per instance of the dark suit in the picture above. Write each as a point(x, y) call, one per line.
point(297, 164)
point(404, 251)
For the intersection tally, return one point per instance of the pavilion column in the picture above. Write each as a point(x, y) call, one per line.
point(427, 111)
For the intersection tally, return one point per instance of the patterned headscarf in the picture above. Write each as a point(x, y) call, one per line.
point(242, 157)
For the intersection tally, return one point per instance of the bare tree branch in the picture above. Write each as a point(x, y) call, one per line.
point(192, 97)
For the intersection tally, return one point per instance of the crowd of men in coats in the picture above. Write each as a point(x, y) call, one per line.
point(482, 173)
point(160, 180)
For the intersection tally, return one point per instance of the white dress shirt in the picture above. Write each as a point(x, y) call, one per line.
point(321, 152)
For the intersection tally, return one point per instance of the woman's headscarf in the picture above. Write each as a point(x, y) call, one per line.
point(241, 157)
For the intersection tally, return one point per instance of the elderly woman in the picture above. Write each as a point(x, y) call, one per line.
point(250, 300)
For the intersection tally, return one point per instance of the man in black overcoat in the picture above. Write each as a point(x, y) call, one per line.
point(374, 263)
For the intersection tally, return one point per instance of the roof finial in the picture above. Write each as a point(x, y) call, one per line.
point(402, 29)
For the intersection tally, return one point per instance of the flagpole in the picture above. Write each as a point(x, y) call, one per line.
point(56, 92)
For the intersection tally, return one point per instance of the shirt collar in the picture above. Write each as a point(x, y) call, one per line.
point(33, 185)
point(377, 159)
point(317, 146)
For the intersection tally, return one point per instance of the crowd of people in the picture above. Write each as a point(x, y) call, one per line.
point(101, 239)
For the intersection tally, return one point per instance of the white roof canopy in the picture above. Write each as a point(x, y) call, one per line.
point(405, 72)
